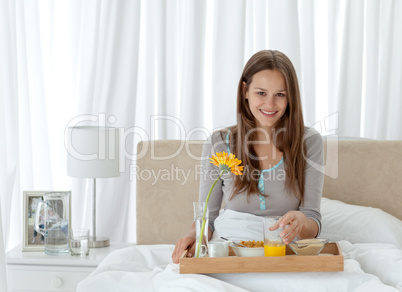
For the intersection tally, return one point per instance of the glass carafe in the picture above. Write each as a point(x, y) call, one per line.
point(52, 221)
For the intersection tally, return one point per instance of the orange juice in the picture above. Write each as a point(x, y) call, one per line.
point(275, 250)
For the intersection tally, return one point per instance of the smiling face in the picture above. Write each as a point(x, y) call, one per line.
point(267, 98)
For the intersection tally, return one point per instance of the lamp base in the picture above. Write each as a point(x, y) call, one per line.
point(99, 242)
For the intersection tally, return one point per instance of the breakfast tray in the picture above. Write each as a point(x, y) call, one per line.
point(329, 260)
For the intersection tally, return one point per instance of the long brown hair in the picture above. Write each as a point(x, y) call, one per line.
point(288, 133)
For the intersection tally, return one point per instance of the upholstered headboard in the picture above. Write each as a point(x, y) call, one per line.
point(357, 172)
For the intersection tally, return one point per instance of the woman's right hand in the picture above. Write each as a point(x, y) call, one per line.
point(187, 242)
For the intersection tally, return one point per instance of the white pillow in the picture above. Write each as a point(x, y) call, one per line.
point(358, 224)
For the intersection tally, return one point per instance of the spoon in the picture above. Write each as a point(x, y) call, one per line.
point(238, 244)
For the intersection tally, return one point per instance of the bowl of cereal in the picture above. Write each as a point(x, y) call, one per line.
point(250, 248)
point(308, 247)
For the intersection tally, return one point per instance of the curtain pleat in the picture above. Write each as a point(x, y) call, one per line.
point(9, 145)
point(394, 118)
point(371, 100)
point(351, 69)
point(8, 131)
point(308, 53)
point(192, 109)
point(388, 86)
point(227, 60)
point(335, 16)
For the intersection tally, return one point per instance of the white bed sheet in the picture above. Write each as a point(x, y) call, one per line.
point(368, 266)
point(149, 268)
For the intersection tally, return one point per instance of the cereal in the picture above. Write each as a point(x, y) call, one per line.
point(252, 243)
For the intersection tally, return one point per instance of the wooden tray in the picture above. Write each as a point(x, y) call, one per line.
point(329, 260)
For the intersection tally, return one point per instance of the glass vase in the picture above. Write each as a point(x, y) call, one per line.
point(201, 246)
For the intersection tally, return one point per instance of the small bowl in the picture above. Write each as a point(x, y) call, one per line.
point(308, 247)
point(248, 251)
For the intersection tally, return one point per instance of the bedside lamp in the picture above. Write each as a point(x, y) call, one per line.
point(93, 152)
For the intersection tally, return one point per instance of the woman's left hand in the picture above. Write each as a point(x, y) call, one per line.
point(294, 221)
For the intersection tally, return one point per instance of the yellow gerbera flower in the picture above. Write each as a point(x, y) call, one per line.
point(227, 163)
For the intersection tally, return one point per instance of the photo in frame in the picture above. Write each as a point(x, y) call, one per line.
point(31, 239)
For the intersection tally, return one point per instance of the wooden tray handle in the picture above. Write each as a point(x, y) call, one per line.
point(184, 254)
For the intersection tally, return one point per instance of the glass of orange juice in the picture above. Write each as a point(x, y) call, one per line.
point(273, 243)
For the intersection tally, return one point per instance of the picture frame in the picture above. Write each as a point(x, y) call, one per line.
point(31, 239)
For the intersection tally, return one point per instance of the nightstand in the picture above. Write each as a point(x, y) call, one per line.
point(36, 271)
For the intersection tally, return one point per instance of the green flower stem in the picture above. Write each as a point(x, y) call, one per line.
point(204, 213)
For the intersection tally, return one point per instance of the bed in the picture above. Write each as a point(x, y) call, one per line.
point(361, 209)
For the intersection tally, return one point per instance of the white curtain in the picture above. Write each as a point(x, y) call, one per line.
point(169, 70)
point(9, 178)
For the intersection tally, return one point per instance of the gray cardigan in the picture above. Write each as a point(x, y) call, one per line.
point(272, 182)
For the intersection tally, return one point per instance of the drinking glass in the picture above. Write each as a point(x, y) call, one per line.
point(200, 250)
point(79, 242)
point(273, 243)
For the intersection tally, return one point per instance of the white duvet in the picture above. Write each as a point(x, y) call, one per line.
point(149, 268)
point(368, 266)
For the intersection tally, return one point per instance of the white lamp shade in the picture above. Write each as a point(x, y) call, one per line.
point(92, 152)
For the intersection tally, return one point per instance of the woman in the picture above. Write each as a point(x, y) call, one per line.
point(280, 156)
